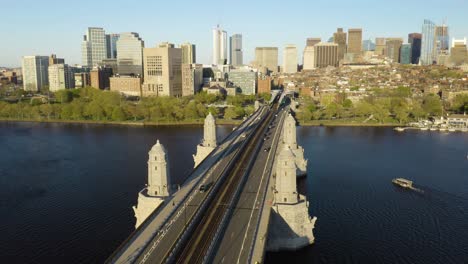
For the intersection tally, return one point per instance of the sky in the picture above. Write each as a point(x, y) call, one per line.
point(31, 27)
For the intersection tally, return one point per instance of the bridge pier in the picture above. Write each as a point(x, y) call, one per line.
point(209, 140)
point(158, 188)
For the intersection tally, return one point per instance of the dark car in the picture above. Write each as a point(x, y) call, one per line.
point(205, 187)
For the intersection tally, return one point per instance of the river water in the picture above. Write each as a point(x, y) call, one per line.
point(67, 191)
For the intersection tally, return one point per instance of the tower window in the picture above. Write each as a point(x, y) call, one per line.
point(156, 168)
point(156, 158)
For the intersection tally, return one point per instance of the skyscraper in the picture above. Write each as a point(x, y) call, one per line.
point(355, 40)
point(35, 72)
point(326, 54)
point(111, 45)
point(339, 37)
point(415, 40)
point(379, 46)
point(458, 52)
point(290, 59)
point(235, 51)
point(188, 53)
point(54, 60)
point(442, 38)
point(192, 78)
point(309, 54)
point(61, 77)
point(428, 50)
point(162, 71)
point(405, 53)
point(312, 41)
point(93, 47)
point(392, 49)
point(267, 57)
point(219, 46)
point(368, 45)
point(130, 54)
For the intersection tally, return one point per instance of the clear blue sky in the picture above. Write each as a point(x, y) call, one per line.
point(32, 27)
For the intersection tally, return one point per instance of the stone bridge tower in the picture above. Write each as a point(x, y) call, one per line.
point(158, 172)
point(289, 139)
point(158, 187)
point(286, 187)
point(209, 140)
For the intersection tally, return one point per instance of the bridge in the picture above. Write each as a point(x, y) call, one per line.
point(240, 200)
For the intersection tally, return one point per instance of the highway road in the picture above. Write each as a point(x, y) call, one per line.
point(238, 238)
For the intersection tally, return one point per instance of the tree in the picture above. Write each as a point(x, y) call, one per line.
point(46, 109)
point(460, 103)
point(380, 112)
point(347, 104)
point(432, 105)
point(402, 113)
point(63, 96)
point(333, 110)
point(67, 112)
point(213, 110)
point(312, 107)
point(304, 115)
point(363, 108)
point(118, 114)
point(230, 113)
point(190, 111)
point(94, 111)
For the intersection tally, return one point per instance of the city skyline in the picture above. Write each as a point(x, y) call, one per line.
point(64, 38)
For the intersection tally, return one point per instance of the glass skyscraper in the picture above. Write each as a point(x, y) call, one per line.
point(405, 54)
point(130, 54)
point(93, 47)
point(111, 44)
point(428, 49)
point(235, 52)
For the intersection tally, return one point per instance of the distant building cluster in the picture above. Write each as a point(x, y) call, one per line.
point(122, 63)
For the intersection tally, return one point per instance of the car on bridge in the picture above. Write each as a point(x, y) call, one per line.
point(205, 187)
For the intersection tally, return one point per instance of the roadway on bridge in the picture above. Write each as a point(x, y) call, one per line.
point(145, 240)
point(238, 239)
point(206, 235)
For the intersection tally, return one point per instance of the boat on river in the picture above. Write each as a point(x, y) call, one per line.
point(403, 183)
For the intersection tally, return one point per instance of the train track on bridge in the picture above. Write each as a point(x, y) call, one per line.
point(203, 240)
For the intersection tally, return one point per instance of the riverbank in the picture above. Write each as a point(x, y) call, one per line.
point(124, 123)
point(329, 123)
point(345, 123)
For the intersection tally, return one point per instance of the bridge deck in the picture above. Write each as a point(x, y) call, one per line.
point(240, 235)
point(145, 238)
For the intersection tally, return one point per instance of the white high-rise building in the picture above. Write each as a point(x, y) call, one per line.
point(93, 47)
point(309, 58)
point(130, 54)
point(61, 77)
point(290, 59)
point(219, 46)
point(35, 75)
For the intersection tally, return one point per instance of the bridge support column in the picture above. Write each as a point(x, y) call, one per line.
point(158, 188)
point(209, 140)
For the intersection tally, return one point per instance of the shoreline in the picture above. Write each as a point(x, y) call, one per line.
point(324, 123)
point(121, 123)
point(330, 123)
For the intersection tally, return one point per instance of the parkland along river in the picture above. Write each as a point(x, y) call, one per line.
point(67, 191)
